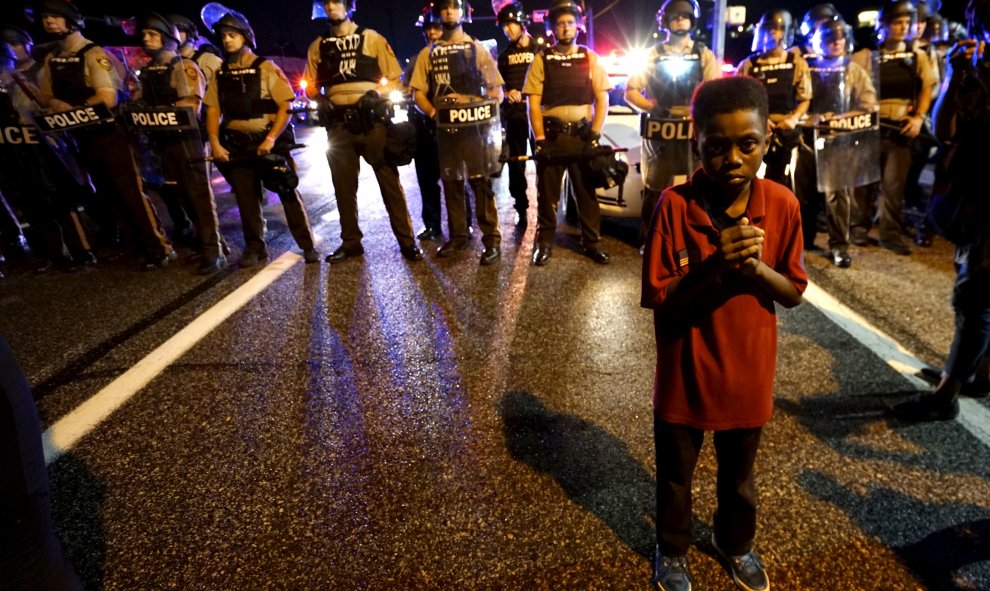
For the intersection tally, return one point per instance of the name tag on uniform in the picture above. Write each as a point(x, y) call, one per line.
point(77, 118)
point(654, 128)
point(19, 135)
point(473, 114)
point(160, 118)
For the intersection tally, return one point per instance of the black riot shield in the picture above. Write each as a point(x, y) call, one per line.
point(847, 151)
point(667, 156)
point(152, 127)
point(469, 137)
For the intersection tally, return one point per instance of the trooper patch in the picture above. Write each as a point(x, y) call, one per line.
point(191, 74)
point(104, 62)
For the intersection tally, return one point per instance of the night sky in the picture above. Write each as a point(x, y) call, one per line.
point(282, 28)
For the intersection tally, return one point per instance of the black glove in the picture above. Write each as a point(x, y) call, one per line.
point(324, 110)
point(592, 138)
point(542, 150)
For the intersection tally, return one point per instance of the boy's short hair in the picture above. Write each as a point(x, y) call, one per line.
point(728, 95)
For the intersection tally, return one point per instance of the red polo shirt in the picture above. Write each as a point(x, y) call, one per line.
point(716, 361)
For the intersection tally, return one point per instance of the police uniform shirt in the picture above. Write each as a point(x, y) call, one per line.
point(567, 113)
point(207, 62)
point(187, 79)
point(859, 88)
point(802, 76)
point(897, 108)
point(99, 67)
point(709, 71)
point(373, 45)
point(21, 102)
point(483, 60)
point(274, 85)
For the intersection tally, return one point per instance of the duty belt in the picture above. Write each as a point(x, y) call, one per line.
point(554, 125)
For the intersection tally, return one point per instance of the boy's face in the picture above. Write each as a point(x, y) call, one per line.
point(731, 146)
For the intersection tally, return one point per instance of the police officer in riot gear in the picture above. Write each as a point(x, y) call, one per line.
point(785, 75)
point(809, 24)
point(567, 90)
point(193, 46)
point(345, 66)
point(513, 63)
point(170, 80)
point(455, 81)
point(426, 159)
point(905, 90)
point(79, 73)
point(21, 43)
point(252, 95)
point(678, 64)
point(840, 87)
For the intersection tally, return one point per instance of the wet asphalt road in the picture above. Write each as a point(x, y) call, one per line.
point(381, 424)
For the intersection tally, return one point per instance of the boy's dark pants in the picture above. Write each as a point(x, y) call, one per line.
point(677, 448)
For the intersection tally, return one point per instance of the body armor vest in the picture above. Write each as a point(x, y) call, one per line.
point(567, 78)
point(454, 69)
point(68, 75)
point(240, 92)
point(778, 79)
point(156, 83)
point(828, 84)
point(898, 75)
point(513, 63)
point(342, 59)
point(670, 83)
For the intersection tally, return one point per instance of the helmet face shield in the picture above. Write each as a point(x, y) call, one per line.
point(463, 5)
point(559, 8)
point(832, 39)
point(774, 31)
point(678, 8)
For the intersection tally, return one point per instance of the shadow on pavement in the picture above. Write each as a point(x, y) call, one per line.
point(77, 508)
point(592, 466)
point(940, 558)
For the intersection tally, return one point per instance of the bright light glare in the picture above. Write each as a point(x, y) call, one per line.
point(675, 68)
point(383, 81)
point(395, 97)
point(303, 84)
point(637, 59)
point(728, 69)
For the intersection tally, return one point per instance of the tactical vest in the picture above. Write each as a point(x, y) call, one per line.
point(670, 82)
point(898, 72)
point(156, 83)
point(567, 78)
point(342, 59)
point(240, 92)
point(513, 63)
point(68, 75)
point(454, 69)
point(778, 79)
point(827, 96)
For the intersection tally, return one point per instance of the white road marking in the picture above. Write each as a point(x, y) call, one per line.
point(87, 416)
point(973, 416)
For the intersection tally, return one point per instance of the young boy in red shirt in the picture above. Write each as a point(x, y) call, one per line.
point(722, 250)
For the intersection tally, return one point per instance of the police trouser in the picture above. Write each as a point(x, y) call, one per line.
point(192, 188)
point(106, 154)
point(806, 189)
point(895, 159)
point(484, 206)
point(243, 174)
point(30, 554)
point(662, 170)
point(778, 157)
point(677, 449)
point(516, 126)
point(427, 163)
point(549, 176)
point(344, 155)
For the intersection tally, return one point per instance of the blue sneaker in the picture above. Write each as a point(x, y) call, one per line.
point(670, 573)
point(747, 569)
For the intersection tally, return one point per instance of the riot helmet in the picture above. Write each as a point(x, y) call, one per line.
point(438, 5)
point(936, 30)
point(895, 9)
point(157, 22)
point(927, 8)
point(818, 14)
point(828, 32)
point(671, 8)
point(63, 8)
point(320, 10)
point(559, 8)
point(511, 12)
point(218, 17)
point(15, 36)
point(184, 25)
point(775, 20)
point(427, 18)
point(8, 61)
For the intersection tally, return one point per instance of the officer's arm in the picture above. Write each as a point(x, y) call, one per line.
point(213, 125)
point(536, 116)
point(189, 101)
point(635, 97)
point(424, 103)
point(278, 126)
point(600, 110)
point(107, 96)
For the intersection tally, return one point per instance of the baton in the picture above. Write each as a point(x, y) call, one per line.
point(192, 161)
point(566, 157)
